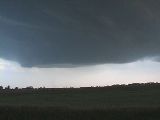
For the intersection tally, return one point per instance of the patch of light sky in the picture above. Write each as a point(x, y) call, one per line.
point(141, 71)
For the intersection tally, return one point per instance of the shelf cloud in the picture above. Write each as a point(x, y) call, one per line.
point(79, 32)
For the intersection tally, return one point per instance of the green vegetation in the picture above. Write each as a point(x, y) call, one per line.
point(140, 102)
point(37, 113)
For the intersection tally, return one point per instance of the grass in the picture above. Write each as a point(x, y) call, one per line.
point(49, 113)
point(108, 103)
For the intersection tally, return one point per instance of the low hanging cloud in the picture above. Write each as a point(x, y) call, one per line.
point(16, 23)
point(80, 32)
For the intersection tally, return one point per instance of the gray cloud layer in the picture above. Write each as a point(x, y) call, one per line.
point(79, 32)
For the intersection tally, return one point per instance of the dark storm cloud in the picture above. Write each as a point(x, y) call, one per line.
point(79, 32)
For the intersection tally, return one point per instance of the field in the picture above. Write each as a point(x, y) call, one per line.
point(132, 102)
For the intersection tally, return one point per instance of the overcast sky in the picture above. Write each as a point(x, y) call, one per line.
point(79, 42)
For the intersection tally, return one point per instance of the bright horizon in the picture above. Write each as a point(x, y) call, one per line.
point(141, 71)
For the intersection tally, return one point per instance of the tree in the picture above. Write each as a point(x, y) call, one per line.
point(8, 87)
point(16, 88)
point(1, 87)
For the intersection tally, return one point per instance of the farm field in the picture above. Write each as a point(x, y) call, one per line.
point(113, 103)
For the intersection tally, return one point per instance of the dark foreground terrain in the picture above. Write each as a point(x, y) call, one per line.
point(132, 102)
point(47, 113)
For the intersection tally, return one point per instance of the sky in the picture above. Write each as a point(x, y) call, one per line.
point(79, 42)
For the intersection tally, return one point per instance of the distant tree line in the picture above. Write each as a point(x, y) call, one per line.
point(133, 85)
point(16, 88)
